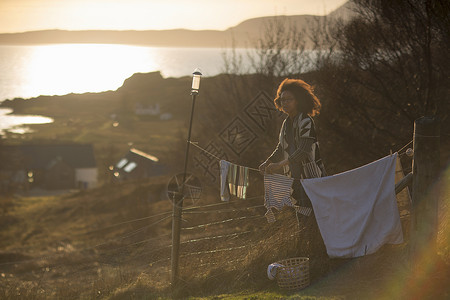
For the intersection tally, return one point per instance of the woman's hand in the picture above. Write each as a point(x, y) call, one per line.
point(273, 167)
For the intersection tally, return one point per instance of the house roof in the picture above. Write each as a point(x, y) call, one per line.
point(40, 156)
point(138, 160)
point(143, 154)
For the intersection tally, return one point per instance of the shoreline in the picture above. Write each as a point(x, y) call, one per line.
point(14, 123)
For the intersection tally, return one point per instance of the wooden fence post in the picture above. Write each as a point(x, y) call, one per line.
point(424, 208)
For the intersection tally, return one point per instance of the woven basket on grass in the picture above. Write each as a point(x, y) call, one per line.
point(294, 274)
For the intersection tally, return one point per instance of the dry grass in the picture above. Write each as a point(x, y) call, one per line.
point(75, 246)
point(114, 243)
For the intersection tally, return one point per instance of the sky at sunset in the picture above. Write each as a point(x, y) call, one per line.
point(29, 15)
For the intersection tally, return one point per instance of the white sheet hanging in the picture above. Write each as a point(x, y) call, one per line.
point(357, 210)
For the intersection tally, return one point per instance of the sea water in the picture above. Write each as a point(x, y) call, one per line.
point(59, 69)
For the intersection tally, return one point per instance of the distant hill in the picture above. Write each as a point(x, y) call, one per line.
point(253, 27)
point(238, 36)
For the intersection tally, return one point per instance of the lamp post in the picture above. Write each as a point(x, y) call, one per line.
point(178, 201)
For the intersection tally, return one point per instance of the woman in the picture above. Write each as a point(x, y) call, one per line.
point(297, 153)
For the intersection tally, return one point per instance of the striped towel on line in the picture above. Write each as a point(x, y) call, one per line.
point(233, 180)
point(277, 194)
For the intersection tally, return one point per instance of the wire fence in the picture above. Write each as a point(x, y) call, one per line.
point(210, 234)
point(216, 238)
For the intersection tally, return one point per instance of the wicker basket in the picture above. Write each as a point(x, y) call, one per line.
point(294, 275)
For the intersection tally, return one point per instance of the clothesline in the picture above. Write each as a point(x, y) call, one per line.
point(253, 169)
point(404, 147)
point(217, 158)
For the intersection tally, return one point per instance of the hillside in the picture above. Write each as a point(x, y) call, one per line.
point(113, 242)
point(238, 35)
point(90, 117)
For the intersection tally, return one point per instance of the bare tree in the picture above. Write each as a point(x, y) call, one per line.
point(280, 51)
point(392, 69)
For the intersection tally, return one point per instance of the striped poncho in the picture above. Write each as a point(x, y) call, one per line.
point(298, 143)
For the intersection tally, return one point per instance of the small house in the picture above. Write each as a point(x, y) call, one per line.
point(137, 164)
point(147, 110)
point(51, 166)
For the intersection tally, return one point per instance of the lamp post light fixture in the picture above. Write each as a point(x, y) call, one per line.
point(178, 200)
point(196, 81)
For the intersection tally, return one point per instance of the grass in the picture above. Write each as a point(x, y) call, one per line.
point(105, 244)
point(58, 248)
point(55, 237)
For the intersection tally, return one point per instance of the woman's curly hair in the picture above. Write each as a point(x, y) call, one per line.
point(304, 95)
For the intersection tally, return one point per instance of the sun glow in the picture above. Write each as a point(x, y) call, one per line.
point(30, 71)
point(93, 67)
